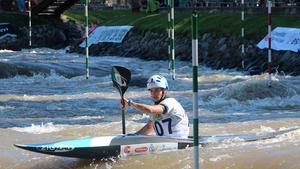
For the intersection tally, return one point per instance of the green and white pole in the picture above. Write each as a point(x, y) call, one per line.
point(172, 43)
point(243, 32)
point(86, 38)
point(30, 26)
point(169, 33)
point(269, 42)
point(195, 88)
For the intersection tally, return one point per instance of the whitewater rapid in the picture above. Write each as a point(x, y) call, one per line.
point(56, 102)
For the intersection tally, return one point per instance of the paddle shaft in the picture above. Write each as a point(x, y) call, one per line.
point(123, 116)
point(123, 122)
point(121, 77)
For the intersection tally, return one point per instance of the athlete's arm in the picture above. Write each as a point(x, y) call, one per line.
point(144, 108)
point(148, 109)
point(147, 129)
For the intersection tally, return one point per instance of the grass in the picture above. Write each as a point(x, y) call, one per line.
point(219, 23)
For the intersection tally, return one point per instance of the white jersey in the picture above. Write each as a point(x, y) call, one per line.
point(173, 122)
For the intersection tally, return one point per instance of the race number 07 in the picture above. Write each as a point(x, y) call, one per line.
point(160, 130)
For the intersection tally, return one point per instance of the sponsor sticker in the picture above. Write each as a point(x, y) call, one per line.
point(141, 149)
point(126, 150)
point(137, 149)
point(55, 149)
point(152, 148)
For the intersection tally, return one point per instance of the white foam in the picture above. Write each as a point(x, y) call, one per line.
point(140, 117)
point(235, 107)
point(39, 129)
point(44, 51)
point(6, 51)
point(220, 157)
point(6, 108)
point(289, 102)
point(107, 166)
point(35, 78)
point(87, 117)
point(231, 140)
point(291, 137)
point(61, 97)
point(4, 60)
point(187, 166)
point(264, 129)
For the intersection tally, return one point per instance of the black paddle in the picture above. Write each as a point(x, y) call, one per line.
point(121, 78)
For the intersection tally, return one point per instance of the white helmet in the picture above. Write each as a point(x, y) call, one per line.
point(157, 81)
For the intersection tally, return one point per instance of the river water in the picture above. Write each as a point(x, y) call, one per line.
point(58, 103)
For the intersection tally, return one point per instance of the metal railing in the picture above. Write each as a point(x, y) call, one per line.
point(203, 3)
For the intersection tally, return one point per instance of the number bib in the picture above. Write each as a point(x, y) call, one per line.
point(173, 122)
point(163, 126)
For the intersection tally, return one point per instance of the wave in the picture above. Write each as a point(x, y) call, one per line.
point(39, 129)
point(6, 51)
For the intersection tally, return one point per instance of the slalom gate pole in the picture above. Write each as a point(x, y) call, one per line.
point(243, 32)
point(86, 38)
point(169, 33)
point(195, 22)
point(172, 40)
point(269, 42)
point(30, 26)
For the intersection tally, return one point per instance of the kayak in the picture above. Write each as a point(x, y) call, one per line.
point(128, 145)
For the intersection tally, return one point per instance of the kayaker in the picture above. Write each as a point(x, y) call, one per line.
point(167, 116)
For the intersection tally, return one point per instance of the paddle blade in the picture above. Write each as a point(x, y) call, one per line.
point(121, 78)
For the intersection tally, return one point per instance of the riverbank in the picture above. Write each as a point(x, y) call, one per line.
point(215, 51)
point(55, 33)
point(219, 39)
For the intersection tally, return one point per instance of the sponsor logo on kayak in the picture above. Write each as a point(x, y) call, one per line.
point(152, 148)
point(141, 149)
point(58, 149)
point(127, 150)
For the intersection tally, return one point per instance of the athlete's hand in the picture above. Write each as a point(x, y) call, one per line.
point(123, 103)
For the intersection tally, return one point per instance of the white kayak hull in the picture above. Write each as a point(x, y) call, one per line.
point(126, 145)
